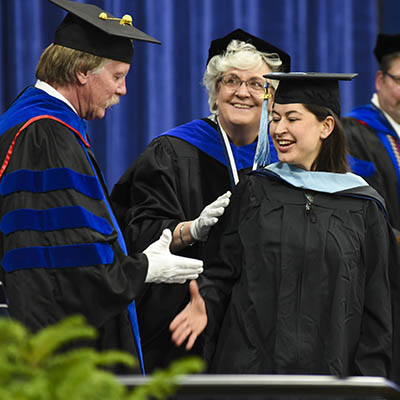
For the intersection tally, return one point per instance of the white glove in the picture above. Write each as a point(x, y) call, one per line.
point(169, 268)
point(200, 227)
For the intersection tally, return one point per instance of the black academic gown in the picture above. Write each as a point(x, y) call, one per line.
point(375, 148)
point(171, 181)
point(61, 252)
point(297, 288)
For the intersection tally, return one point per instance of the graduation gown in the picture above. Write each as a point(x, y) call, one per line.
point(375, 150)
point(61, 249)
point(178, 174)
point(300, 281)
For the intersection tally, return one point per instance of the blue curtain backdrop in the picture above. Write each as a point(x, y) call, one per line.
point(164, 84)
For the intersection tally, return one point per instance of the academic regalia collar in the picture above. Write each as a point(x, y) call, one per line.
point(319, 181)
point(347, 184)
point(203, 134)
point(392, 122)
point(53, 92)
point(372, 116)
point(33, 102)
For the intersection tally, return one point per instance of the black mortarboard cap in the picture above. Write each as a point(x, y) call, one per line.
point(218, 46)
point(309, 88)
point(386, 44)
point(90, 29)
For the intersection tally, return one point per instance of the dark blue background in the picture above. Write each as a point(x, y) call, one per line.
point(164, 84)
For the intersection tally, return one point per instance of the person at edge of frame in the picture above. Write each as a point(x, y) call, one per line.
point(373, 130)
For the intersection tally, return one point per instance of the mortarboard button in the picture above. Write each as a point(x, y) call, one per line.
point(90, 29)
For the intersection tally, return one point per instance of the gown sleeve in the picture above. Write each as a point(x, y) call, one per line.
point(223, 264)
point(60, 247)
point(394, 276)
point(362, 143)
point(148, 197)
point(378, 334)
point(370, 159)
point(160, 189)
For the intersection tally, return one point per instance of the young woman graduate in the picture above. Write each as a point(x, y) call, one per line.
point(305, 266)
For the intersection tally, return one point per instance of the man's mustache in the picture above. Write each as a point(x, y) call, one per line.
point(112, 102)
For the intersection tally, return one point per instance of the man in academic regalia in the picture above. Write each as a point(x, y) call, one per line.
point(62, 252)
point(373, 130)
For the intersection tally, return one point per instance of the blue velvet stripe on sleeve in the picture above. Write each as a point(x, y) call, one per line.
point(77, 255)
point(53, 219)
point(48, 180)
point(361, 167)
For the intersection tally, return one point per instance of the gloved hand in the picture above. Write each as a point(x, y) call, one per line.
point(200, 227)
point(169, 268)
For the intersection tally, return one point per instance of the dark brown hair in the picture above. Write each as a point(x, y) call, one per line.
point(332, 156)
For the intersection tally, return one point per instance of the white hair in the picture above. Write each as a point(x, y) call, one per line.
point(240, 55)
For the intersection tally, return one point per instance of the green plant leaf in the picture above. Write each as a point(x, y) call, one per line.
point(51, 338)
point(32, 367)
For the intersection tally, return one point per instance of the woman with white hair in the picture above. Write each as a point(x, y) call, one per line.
point(182, 180)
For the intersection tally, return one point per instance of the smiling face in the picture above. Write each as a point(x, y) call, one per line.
point(102, 89)
point(239, 110)
point(297, 134)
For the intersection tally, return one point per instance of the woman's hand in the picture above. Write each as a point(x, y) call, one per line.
point(191, 321)
point(200, 227)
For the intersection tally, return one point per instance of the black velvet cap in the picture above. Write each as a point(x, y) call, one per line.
point(386, 44)
point(309, 88)
point(90, 29)
point(218, 46)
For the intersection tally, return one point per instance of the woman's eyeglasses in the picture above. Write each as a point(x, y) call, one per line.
point(233, 82)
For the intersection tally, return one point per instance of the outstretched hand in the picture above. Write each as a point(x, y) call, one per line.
point(164, 267)
point(191, 321)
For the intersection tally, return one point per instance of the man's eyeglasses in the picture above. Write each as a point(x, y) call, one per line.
point(232, 81)
point(396, 78)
